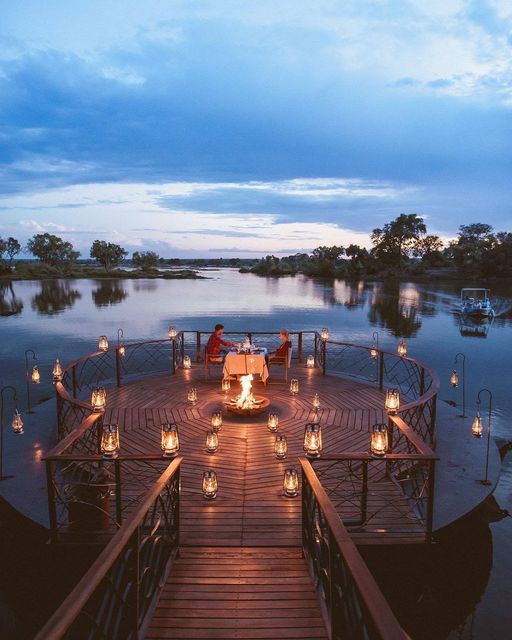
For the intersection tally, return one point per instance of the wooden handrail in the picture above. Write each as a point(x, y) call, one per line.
point(63, 393)
point(380, 613)
point(66, 442)
point(416, 441)
point(68, 611)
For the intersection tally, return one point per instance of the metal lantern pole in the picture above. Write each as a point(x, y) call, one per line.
point(463, 358)
point(14, 397)
point(478, 401)
point(27, 377)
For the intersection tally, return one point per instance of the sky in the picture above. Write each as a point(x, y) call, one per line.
point(232, 128)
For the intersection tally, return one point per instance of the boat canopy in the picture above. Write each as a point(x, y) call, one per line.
point(468, 290)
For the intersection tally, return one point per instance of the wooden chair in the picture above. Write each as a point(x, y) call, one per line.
point(282, 362)
point(212, 360)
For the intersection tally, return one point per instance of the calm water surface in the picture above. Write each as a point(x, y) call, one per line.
point(64, 319)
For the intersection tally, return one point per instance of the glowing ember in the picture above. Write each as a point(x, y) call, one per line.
point(245, 400)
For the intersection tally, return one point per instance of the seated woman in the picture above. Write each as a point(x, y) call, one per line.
point(280, 354)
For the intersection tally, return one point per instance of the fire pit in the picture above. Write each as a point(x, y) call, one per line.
point(247, 404)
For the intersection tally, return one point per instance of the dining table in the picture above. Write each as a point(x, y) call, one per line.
point(244, 363)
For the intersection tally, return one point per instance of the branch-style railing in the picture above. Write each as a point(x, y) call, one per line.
point(116, 597)
point(352, 603)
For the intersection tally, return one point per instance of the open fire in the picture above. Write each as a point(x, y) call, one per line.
point(246, 402)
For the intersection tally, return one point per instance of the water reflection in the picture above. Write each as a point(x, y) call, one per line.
point(10, 305)
point(55, 296)
point(145, 285)
point(396, 308)
point(108, 293)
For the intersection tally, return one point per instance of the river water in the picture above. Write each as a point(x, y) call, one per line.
point(467, 597)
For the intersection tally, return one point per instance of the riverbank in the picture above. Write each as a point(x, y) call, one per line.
point(44, 272)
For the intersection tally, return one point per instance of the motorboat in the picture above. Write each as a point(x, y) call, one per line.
point(475, 303)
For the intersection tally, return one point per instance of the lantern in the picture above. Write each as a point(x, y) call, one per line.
point(273, 421)
point(57, 371)
point(98, 399)
point(325, 334)
point(170, 440)
point(454, 379)
point(374, 352)
point(226, 385)
point(172, 333)
point(210, 485)
point(280, 447)
point(192, 396)
point(212, 441)
point(110, 441)
point(310, 362)
point(402, 349)
point(17, 423)
point(290, 483)
point(36, 376)
point(379, 440)
point(103, 343)
point(476, 427)
point(316, 401)
point(187, 362)
point(294, 387)
point(313, 440)
point(216, 421)
point(392, 401)
point(121, 350)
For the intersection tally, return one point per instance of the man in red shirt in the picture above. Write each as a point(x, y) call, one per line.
point(215, 342)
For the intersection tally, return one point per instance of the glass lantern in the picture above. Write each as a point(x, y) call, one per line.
point(273, 422)
point(454, 379)
point(103, 343)
point(110, 443)
point(290, 483)
point(226, 386)
point(187, 362)
point(216, 421)
point(294, 386)
point(313, 440)
point(374, 352)
point(98, 399)
point(476, 427)
point(36, 376)
point(392, 401)
point(17, 423)
point(57, 371)
point(316, 401)
point(402, 349)
point(280, 447)
point(121, 350)
point(192, 396)
point(325, 334)
point(170, 440)
point(310, 362)
point(173, 333)
point(212, 441)
point(210, 485)
point(379, 440)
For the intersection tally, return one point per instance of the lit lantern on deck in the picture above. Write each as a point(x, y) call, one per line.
point(170, 440)
point(476, 427)
point(313, 440)
point(392, 401)
point(210, 485)
point(103, 343)
point(379, 440)
point(273, 421)
point(98, 399)
point(280, 447)
point(57, 371)
point(290, 483)
point(17, 423)
point(212, 441)
point(226, 386)
point(325, 334)
point(173, 333)
point(316, 401)
point(121, 350)
point(187, 362)
point(36, 376)
point(110, 443)
point(192, 396)
point(454, 379)
point(294, 386)
point(310, 362)
point(402, 349)
point(216, 421)
point(374, 352)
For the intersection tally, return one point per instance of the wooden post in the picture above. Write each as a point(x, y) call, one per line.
point(99, 426)
point(324, 356)
point(174, 356)
point(58, 403)
point(73, 371)
point(422, 381)
point(118, 368)
point(52, 509)
point(389, 463)
point(332, 618)
point(433, 419)
point(119, 505)
point(299, 346)
point(430, 505)
point(381, 369)
point(198, 346)
point(364, 493)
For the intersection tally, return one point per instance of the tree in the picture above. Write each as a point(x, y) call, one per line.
point(360, 259)
point(393, 244)
point(51, 249)
point(497, 261)
point(107, 254)
point(12, 249)
point(145, 260)
point(428, 249)
point(474, 241)
point(324, 261)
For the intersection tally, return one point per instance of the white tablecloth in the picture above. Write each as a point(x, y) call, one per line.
point(243, 364)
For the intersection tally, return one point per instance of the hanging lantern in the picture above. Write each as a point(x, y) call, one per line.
point(454, 379)
point(294, 386)
point(379, 440)
point(325, 334)
point(187, 362)
point(290, 483)
point(392, 401)
point(316, 401)
point(98, 399)
point(402, 349)
point(57, 371)
point(280, 447)
point(110, 441)
point(121, 350)
point(374, 352)
point(17, 423)
point(36, 376)
point(170, 440)
point(313, 440)
point(212, 441)
point(226, 385)
point(273, 422)
point(192, 396)
point(310, 362)
point(476, 427)
point(173, 333)
point(216, 421)
point(103, 343)
point(210, 485)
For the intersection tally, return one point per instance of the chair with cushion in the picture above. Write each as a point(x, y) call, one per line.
point(284, 362)
point(212, 359)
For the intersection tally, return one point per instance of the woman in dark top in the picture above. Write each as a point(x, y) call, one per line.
point(281, 352)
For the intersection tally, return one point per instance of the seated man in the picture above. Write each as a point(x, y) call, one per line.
point(279, 355)
point(215, 343)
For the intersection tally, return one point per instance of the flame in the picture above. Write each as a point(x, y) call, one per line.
point(245, 400)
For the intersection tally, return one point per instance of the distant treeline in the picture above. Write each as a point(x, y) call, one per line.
point(403, 247)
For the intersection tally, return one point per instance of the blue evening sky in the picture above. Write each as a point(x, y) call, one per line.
point(236, 128)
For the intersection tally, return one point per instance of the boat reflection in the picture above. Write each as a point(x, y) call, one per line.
point(108, 293)
point(473, 328)
point(10, 305)
point(55, 297)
